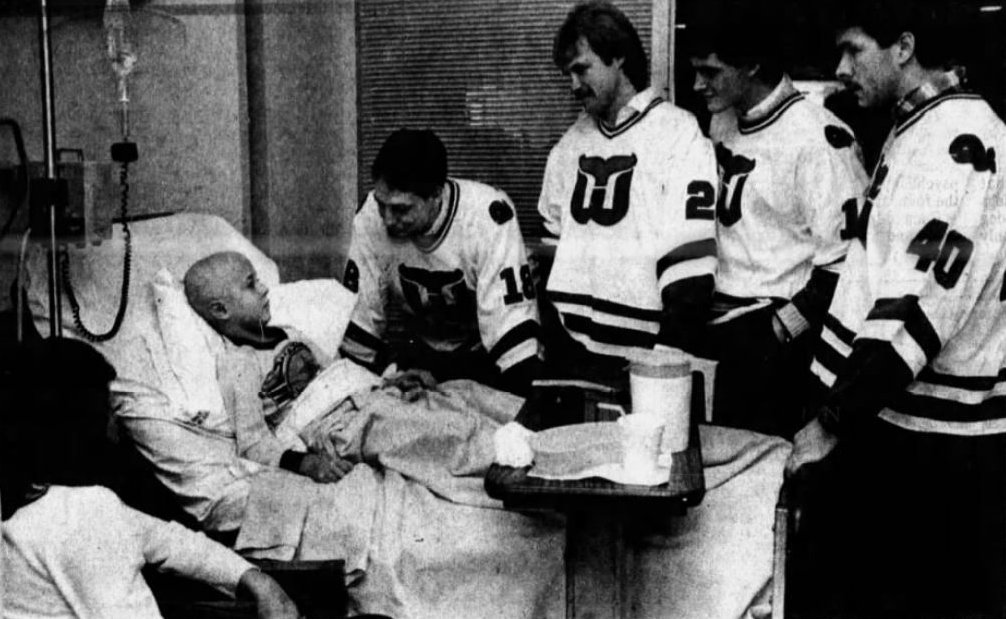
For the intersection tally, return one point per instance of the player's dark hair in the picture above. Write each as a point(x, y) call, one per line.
point(741, 34)
point(609, 33)
point(53, 428)
point(939, 28)
point(412, 160)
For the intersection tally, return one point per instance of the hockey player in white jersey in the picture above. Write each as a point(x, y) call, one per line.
point(913, 349)
point(449, 253)
point(789, 172)
point(629, 191)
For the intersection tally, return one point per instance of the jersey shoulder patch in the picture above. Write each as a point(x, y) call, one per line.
point(351, 277)
point(500, 211)
point(838, 137)
point(968, 149)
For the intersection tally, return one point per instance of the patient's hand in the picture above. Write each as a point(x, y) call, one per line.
point(324, 468)
point(412, 383)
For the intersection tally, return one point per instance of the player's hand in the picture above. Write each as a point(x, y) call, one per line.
point(811, 444)
point(324, 468)
point(779, 329)
point(271, 602)
point(412, 383)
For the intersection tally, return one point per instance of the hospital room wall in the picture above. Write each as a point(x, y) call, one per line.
point(244, 109)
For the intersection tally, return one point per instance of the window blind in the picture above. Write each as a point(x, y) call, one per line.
point(477, 72)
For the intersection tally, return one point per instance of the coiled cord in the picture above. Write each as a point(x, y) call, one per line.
point(126, 267)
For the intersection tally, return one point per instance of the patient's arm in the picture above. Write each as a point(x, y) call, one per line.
point(240, 384)
point(239, 381)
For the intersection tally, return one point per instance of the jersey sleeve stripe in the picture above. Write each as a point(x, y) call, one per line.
point(906, 310)
point(364, 338)
point(843, 333)
point(608, 334)
point(948, 410)
point(688, 251)
point(957, 394)
point(525, 351)
point(525, 331)
point(828, 337)
point(688, 269)
point(602, 305)
point(968, 383)
point(813, 299)
point(825, 376)
point(831, 359)
point(362, 346)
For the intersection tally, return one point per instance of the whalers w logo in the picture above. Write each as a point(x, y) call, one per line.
point(734, 171)
point(440, 294)
point(607, 208)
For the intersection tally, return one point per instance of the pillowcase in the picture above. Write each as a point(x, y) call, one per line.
point(191, 346)
point(319, 309)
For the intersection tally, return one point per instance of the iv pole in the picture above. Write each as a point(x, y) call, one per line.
point(51, 194)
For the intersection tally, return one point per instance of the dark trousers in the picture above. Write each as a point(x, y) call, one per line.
point(761, 384)
point(906, 525)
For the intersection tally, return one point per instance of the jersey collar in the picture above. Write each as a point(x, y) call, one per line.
point(910, 108)
point(771, 108)
point(631, 113)
point(442, 224)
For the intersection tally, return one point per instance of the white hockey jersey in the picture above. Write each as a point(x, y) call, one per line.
point(788, 172)
point(633, 207)
point(926, 273)
point(469, 286)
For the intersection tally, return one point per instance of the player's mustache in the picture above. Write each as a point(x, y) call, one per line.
point(582, 93)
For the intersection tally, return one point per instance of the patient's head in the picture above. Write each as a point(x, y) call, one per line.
point(55, 422)
point(225, 291)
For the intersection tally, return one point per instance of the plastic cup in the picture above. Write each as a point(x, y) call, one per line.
point(640, 445)
point(660, 385)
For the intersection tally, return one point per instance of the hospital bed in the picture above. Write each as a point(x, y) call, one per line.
point(406, 551)
point(742, 482)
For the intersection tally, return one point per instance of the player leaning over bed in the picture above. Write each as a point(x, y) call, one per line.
point(450, 253)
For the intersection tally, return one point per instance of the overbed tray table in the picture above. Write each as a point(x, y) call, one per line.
point(597, 499)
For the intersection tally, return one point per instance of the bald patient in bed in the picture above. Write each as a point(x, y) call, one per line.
point(225, 291)
point(403, 421)
point(420, 537)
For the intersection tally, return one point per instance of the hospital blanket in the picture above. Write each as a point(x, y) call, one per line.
point(409, 553)
point(443, 440)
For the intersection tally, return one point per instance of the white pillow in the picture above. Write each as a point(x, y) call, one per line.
point(191, 346)
point(319, 309)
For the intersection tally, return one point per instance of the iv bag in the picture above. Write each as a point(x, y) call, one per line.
point(118, 41)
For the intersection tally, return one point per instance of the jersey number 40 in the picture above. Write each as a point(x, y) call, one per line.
point(947, 252)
